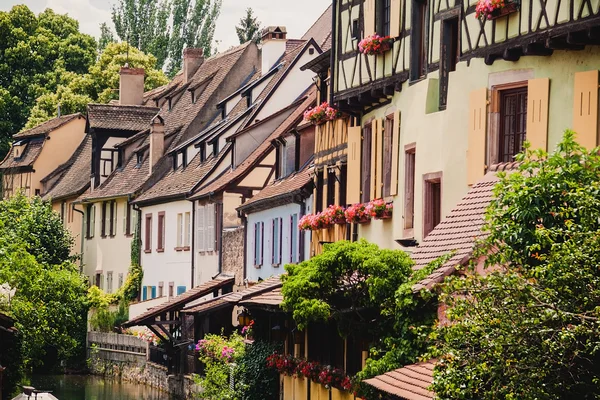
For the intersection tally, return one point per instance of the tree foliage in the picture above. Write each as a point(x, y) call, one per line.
point(164, 28)
point(100, 84)
point(530, 328)
point(368, 292)
point(35, 54)
point(248, 28)
point(49, 304)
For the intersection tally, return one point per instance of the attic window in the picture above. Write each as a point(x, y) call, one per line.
point(311, 51)
point(140, 159)
point(193, 97)
point(170, 104)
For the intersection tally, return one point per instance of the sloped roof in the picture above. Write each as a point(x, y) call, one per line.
point(31, 153)
point(320, 31)
point(272, 298)
point(75, 174)
point(286, 188)
point(263, 149)
point(48, 126)
point(120, 117)
point(410, 382)
point(180, 301)
point(459, 231)
point(181, 181)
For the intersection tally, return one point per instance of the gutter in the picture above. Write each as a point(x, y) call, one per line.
point(82, 235)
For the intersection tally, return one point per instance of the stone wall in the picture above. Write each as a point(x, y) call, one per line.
point(233, 254)
point(126, 357)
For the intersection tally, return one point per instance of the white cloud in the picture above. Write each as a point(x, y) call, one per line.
point(296, 16)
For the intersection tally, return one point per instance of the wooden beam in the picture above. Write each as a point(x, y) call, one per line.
point(157, 333)
point(378, 93)
point(536, 49)
point(579, 38)
point(561, 44)
point(512, 54)
point(389, 90)
point(490, 58)
point(366, 99)
point(171, 338)
point(171, 322)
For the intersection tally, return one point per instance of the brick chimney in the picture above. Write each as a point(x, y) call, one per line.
point(157, 141)
point(273, 41)
point(131, 86)
point(192, 60)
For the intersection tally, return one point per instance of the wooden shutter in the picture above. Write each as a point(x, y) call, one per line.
point(369, 17)
point(354, 165)
point(93, 221)
point(114, 212)
point(262, 242)
point(538, 92)
point(395, 18)
point(256, 244)
point(367, 138)
point(477, 134)
point(125, 217)
point(179, 230)
point(186, 232)
point(379, 160)
point(395, 153)
point(210, 227)
point(200, 221)
point(585, 109)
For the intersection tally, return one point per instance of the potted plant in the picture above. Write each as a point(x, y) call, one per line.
point(492, 9)
point(375, 44)
point(321, 114)
point(357, 213)
point(336, 214)
point(379, 209)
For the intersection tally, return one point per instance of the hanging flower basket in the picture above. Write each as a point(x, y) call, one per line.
point(492, 9)
point(375, 44)
point(321, 114)
point(357, 213)
point(379, 209)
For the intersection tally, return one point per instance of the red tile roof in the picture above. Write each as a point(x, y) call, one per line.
point(120, 117)
point(320, 31)
point(272, 298)
point(263, 150)
point(48, 126)
point(179, 302)
point(410, 382)
point(32, 151)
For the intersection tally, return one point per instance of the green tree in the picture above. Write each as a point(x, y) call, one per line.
point(248, 28)
point(99, 84)
point(530, 328)
point(165, 28)
point(34, 54)
point(106, 36)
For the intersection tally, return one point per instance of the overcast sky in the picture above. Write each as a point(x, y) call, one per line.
point(297, 16)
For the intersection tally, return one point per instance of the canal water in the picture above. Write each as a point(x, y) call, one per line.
point(88, 387)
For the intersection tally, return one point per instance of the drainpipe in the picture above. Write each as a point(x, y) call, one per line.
point(193, 244)
point(298, 199)
point(245, 222)
point(82, 236)
point(220, 249)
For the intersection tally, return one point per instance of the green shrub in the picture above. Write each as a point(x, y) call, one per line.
point(259, 382)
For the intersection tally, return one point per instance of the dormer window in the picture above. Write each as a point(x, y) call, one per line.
point(19, 149)
point(170, 104)
point(193, 97)
point(215, 148)
point(202, 152)
point(139, 158)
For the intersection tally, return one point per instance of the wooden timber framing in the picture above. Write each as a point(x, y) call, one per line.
point(538, 28)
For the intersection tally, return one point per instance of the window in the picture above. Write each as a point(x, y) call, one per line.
point(120, 281)
point(186, 230)
point(330, 185)
point(113, 218)
point(63, 206)
point(126, 218)
point(448, 57)
point(37, 191)
point(98, 280)
point(356, 29)
point(259, 228)
point(513, 123)
point(432, 202)
point(179, 232)
point(91, 220)
point(70, 213)
point(276, 236)
point(343, 185)
point(294, 238)
point(201, 230)
point(409, 186)
point(148, 234)
point(104, 216)
point(210, 227)
point(319, 196)
point(160, 289)
point(366, 163)
point(160, 245)
point(171, 288)
point(387, 154)
point(418, 53)
point(383, 10)
point(109, 282)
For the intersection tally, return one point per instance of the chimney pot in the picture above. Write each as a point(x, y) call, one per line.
point(193, 58)
point(274, 39)
point(157, 141)
point(131, 86)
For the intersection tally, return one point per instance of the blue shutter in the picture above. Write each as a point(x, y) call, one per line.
point(153, 292)
point(144, 293)
point(180, 290)
point(256, 248)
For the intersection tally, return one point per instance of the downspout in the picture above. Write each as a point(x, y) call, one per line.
point(139, 229)
point(82, 235)
point(193, 244)
point(221, 225)
point(245, 222)
point(333, 51)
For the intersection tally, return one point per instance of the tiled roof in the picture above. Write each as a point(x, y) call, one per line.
point(273, 297)
point(31, 153)
point(120, 117)
point(210, 305)
point(182, 180)
point(75, 178)
point(47, 126)
point(263, 149)
point(291, 44)
point(457, 232)
point(179, 302)
point(320, 31)
point(410, 382)
point(286, 187)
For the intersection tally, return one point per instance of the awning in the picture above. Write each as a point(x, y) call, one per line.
point(210, 305)
point(179, 302)
point(271, 298)
point(410, 382)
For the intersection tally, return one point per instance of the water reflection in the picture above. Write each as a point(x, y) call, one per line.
point(76, 387)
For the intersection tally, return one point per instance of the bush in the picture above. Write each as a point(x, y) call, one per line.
point(104, 320)
point(259, 382)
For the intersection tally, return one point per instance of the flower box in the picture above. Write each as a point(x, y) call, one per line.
point(321, 114)
point(375, 44)
point(493, 9)
point(379, 209)
point(357, 213)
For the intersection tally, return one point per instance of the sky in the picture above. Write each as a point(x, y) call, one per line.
point(296, 16)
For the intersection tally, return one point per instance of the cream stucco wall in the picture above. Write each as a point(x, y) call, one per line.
point(72, 220)
point(441, 137)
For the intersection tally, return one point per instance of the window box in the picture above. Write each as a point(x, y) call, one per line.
point(375, 44)
point(493, 9)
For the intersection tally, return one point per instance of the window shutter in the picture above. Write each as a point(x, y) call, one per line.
point(538, 91)
point(375, 153)
point(153, 292)
point(395, 17)
point(93, 221)
point(262, 242)
point(114, 224)
point(210, 227)
point(134, 221)
point(369, 17)
point(125, 209)
point(354, 165)
point(186, 232)
point(200, 241)
point(379, 160)
point(585, 109)
point(280, 252)
point(256, 244)
point(395, 152)
point(179, 230)
point(477, 133)
point(367, 138)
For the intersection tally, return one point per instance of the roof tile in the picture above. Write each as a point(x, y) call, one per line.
point(410, 382)
point(47, 126)
point(75, 177)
